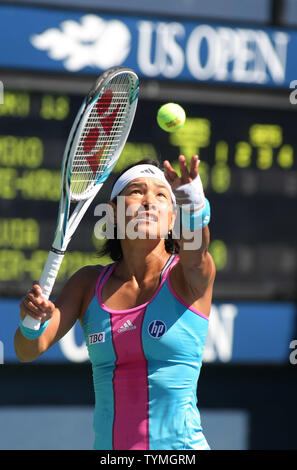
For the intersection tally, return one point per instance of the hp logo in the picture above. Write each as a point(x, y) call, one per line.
point(157, 328)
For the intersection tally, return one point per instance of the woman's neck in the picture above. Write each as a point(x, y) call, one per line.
point(143, 260)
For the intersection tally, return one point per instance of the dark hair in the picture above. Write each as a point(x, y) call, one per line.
point(112, 247)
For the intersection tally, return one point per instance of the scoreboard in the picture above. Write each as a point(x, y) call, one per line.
point(248, 168)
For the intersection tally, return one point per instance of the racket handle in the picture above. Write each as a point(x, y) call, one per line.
point(47, 281)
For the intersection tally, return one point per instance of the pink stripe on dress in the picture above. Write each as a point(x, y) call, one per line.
point(130, 383)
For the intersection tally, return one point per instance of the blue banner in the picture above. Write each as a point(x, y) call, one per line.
point(238, 333)
point(157, 48)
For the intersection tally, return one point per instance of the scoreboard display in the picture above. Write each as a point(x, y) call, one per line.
point(248, 168)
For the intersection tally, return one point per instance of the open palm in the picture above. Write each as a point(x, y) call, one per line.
point(186, 175)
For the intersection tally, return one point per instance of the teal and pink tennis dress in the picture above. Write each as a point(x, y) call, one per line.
point(146, 362)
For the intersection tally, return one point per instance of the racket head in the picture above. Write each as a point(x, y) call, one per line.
point(99, 132)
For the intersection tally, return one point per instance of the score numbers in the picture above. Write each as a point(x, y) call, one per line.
point(18, 104)
point(27, 152)
point(264, 148)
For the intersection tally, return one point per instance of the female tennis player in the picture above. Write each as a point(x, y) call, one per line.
point(144, 317)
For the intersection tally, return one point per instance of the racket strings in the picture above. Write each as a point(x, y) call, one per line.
point(101, 135)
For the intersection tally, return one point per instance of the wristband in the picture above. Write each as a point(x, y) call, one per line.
point(196, 220)
point(33, 334)
point(190, 194)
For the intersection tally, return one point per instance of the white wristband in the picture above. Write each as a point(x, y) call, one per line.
point(191, 195)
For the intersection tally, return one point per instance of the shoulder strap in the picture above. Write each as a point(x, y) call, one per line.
point(166, 266)
point(102, 276)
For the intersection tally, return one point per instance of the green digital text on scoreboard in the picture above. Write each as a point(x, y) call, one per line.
point(248, 169)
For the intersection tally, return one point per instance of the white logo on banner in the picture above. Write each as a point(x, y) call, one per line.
point(219, 342)
point(91, 42)
point(166, 49)
point(71, 350)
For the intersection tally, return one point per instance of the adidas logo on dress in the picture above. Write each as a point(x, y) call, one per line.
point(128, 325)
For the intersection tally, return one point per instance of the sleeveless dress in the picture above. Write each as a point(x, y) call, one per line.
point(146, 363)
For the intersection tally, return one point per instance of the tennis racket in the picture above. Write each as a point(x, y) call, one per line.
point(95, 142)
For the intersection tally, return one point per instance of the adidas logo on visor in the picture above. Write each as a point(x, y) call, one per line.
point(148, 170)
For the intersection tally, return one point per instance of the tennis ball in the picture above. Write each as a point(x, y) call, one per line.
point(171, 117)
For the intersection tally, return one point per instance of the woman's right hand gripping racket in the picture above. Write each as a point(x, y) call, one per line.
point(94, 145)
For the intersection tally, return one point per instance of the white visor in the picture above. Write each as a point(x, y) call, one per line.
point(140, 171)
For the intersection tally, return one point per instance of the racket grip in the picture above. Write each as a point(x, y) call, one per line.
point(47, 281)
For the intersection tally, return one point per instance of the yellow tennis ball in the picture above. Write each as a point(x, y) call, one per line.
point(171, 117)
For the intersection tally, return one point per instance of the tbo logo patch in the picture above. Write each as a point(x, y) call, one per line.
point(97, 338)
